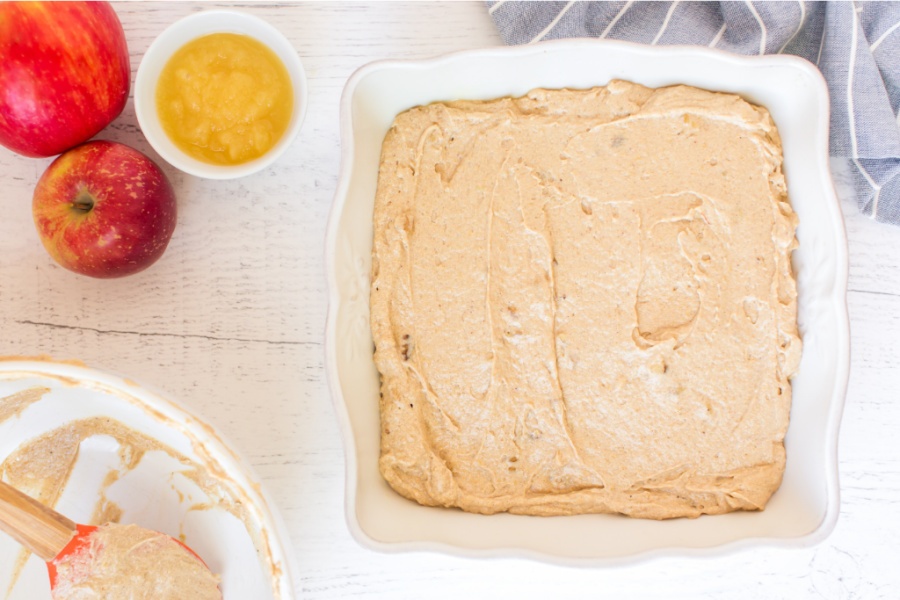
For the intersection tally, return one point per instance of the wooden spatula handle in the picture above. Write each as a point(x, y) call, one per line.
point(37, 527)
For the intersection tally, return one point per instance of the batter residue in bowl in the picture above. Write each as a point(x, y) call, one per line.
point(41, 467)
point(582, 301)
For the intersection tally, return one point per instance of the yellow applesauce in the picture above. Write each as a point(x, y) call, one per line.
point(224, 98)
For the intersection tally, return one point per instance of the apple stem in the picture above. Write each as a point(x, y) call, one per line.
point(84, 201)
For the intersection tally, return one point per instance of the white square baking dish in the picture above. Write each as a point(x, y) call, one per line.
point(805, 508)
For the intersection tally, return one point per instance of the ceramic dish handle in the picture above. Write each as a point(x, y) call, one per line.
point(40, 529)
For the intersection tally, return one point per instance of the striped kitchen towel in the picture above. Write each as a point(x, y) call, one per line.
point(856, 45)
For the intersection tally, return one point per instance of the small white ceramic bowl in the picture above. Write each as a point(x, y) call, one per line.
point(177, 35)
point(805, 508)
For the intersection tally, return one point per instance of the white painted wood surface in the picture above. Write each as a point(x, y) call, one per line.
point(231, 322)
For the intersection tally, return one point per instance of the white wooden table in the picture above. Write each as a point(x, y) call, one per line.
point(231, 323)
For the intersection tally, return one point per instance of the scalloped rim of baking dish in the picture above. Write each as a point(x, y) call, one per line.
point(802, 512)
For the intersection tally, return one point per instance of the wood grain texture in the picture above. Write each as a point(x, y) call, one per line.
point(40, 529)
point(231, 323)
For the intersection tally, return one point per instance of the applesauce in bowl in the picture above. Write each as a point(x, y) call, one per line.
point(224, 98)
point(220, 94)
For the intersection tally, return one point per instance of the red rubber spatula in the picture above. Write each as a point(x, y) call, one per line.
point(42, 530)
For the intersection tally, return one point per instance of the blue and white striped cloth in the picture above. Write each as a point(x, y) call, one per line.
point(856, 45)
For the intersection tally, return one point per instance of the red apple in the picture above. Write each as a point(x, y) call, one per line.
point(64, 74)
point(104, 209)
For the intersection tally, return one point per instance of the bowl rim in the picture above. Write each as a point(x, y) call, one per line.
point(838, 298)
point(161, 49)
point(191, 425)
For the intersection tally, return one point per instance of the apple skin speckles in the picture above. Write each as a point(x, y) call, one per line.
point(104, 210)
